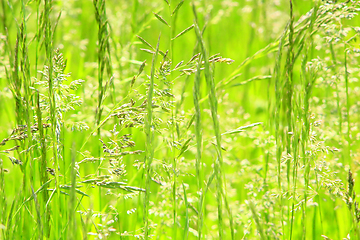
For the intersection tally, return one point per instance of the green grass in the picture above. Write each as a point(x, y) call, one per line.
point(176, 119)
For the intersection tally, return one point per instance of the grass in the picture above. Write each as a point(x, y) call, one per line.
point(175, 119)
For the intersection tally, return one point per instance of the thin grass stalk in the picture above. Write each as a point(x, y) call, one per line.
point(149, 150)
point(198, 136)
point(43, 152)
point(16, 85)
point(212, 101)
point(278, 127)
point(258, 223)
point(318, 200)
point(27, 116)
point(187, 222)
point(202, 203)
point(295, 150)
point(104, 59)
point(72, 201)
point(186, 82)
point(213, 106)
point(305, 135)
point(48, 31)
point(289, 107)
point(40, 227)
point(172, 30)
point(9, 227)
point(99, 5)
point(103, 62)
point(3, 203)
point(43, 164)
point(289, 87)
point(314, 226)
point(99, 8)
point(38, 34)
point(309, 79)
point(25, 70)
point(348, 133)
point(270, 123)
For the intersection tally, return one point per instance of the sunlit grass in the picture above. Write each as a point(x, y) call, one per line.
point(179, 120)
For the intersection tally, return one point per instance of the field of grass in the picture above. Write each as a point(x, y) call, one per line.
point(179, 119)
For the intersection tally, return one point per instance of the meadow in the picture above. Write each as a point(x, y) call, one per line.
point(179, 119)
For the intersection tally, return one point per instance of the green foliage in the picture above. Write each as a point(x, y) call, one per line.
point(159, 139)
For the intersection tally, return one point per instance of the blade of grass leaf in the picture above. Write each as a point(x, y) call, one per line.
point(149, 152)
